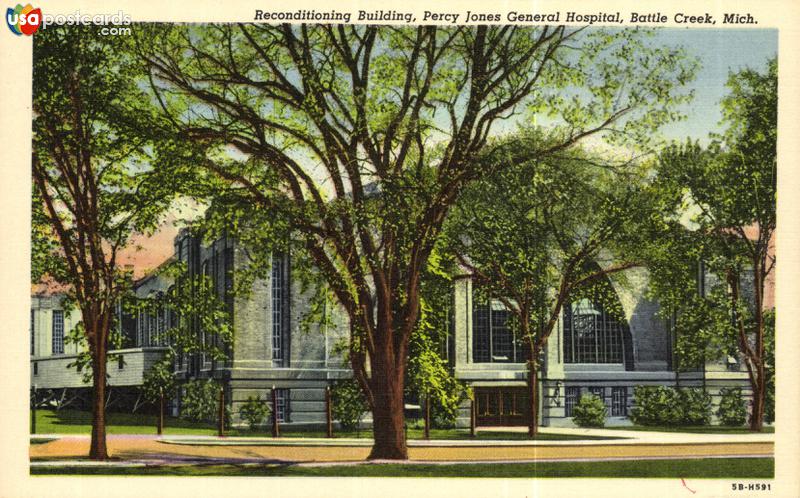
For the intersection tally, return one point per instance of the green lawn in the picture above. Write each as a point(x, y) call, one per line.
point(686, 468)
point(703, 429)
point(79, 422)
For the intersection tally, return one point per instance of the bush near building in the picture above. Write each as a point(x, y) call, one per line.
point(695, 406)
point(661, 405)
point(199, 401)
point(349, 405)
point(732, 409)
point(254, 411)
point(589, 411)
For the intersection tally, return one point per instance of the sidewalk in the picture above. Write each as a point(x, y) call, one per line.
point(616, 437)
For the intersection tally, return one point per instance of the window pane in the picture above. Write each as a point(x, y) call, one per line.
point(58, 332)
point(614, 336)
point(619, 402)
point(502, 340)
point(140, 328)
point(584, 325)
point(282, 408)
point(480, 333)
point(492, 339)
point(279, 311)
point(571, 397)
point(591, 335)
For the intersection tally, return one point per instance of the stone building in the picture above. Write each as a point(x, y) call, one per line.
point(591, 351)
point(271, 350)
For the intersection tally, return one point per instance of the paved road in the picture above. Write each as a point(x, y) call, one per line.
point(151, 448)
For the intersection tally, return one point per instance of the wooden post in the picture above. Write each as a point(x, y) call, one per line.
point(276, 432)
point(472, 417)
point(427, 416)
point(328, 410)
point(221, 414)
point(161, 412)
point(33, 412)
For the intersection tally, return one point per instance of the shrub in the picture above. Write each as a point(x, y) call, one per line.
point(199, 400)
point(160, 378)
point(349, 404)
point(661, 405)
point(732, 409)
point(655, 405)
point(444, 408)
point(589, 411)
point(254, 411)
point(695, 406)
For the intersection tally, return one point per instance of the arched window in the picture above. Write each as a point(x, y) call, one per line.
point(591, 334)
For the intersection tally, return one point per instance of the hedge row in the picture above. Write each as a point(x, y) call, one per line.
point(661, 405)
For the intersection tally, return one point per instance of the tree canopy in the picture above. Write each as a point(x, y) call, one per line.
point(543, 233)
point(717, 256)
point(362, 137)
point(95, 139)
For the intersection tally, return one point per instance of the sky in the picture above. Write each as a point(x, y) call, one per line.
point(720, 52)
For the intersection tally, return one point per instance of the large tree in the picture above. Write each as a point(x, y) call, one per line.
point(719, 203)
point(364, 136)
point(93, 188)
point(547, 232)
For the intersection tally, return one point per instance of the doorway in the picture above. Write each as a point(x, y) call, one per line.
point(501, 406)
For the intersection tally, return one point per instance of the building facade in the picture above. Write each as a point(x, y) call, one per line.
point(274, 349)
point(592, 351)
point(55, 374)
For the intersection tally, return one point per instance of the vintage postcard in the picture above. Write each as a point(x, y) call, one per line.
point(346, 249)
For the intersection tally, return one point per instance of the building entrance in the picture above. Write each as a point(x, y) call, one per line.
point(501, 406)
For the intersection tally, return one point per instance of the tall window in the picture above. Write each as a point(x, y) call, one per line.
point(492, 340)
point(151, 327)
point(204, 335)
point(33, 340)
point(140, 324)
point(58, 332)
point(282, 409)
point(280, 315)
point(161, 320)
point(228, 258)
point(619, 402)
point(591, 335)
point(570, 399)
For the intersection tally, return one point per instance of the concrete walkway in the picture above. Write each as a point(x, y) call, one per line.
point(616, 437)
point(141, 450)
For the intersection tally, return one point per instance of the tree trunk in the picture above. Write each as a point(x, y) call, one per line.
point(387, 414)
point(533, 396)
point(97, 448)
point(759, 400)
